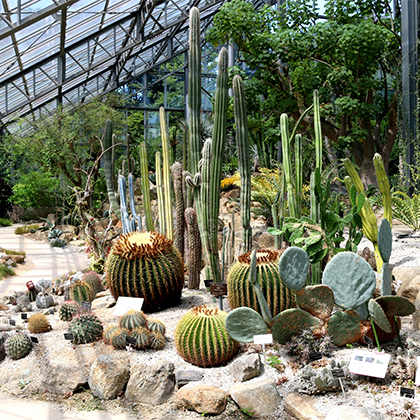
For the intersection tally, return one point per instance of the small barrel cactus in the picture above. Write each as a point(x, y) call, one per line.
point(86, 328)
point(38, 323)
point(80, 291)
point(18, 345)
point(133, 319)
point(155, 325)
point(109, 330)
point(157, 341)
point(201, 337)
point(93, 279)
point(147, 265)
point(118, 338)
point(240, 290)
point(142, 337)
point(68, 310)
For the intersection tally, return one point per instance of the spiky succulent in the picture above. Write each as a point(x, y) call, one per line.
point(118, 338)
point(201, 337)
point(240, 290)
point(81, 291)
point(147, 265)
point(38, 323)
point(142, 337)
point(154, 325)
point(68, 310)
point(133, 319)
point(109, 329)
point(18, 345)
point(86, 328)
point(157, 341)
point(93, 279)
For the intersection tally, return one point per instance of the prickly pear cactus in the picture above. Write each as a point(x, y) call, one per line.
point(294, 267)
point(385, 248)
point(18, 345)
point(318, 300)
point(344, 327)
point(243, 323)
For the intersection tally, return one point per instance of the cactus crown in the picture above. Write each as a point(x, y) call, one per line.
point(263, 256)
point(134, 245)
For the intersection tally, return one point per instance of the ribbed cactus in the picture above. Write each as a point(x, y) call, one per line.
point(133, 319)
point(38, 323)
point(155, 325)
point(142, 336)
point(147, 265)
point(383, 183)
point(203, 218)
point(241, 292)
point(86, 328)
point(68, 310)
point(243, 159)
point(179, 207)
point(81, 291)
point(385, 248)
point(18, 345)
point(118, 338)
point(157, 341)
point(194, 248)
point(145, 187)
point(160, 196)
point(109, 329)
point(93, 279)
point(201, 337)
point(32, 294)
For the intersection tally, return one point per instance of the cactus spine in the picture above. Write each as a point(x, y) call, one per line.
point(194, 251)
point(133, 319)
point(157, 341)
point(86, 328)
point(109, 331)
point(166, 175)
point(201, 337)
point(142, 336)
point(145, 187)
point(118, 338)
point(180, 206)
point(159, 187)
point(243, 158)
point(38, 323)
point(94, 280)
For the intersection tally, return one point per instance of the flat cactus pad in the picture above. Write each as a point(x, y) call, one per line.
point(318, 300)
point(344, 327)
point(385, 239)
point(292, 322)
point(243, 323)
point(396, 305)
point(378, 316)
point(293, 268)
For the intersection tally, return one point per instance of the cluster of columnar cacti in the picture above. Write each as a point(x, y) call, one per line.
point(68, 310)
point(136, 330)
point(86, 328)
point(146, 265)
point(241, 292)
point(81, 291)
point(348, 282)
point(38, 323)
point(201, 337)
point(18, 345)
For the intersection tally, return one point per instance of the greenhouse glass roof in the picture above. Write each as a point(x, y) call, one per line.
point(64, 51)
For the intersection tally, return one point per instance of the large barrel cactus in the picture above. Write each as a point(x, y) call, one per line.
point(241, 293)
point(146, 265)
point(201, 337)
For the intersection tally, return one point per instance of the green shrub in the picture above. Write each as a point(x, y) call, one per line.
point(5, 222)
point(5, 272)
point(26, 229)
point(36, 190)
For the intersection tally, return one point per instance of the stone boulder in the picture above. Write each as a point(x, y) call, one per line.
point(202, 399)
point(103, 300)
point(259, 399)
point(409, 277)
point(245, 367)
point(151, 384)
point(299, 408)
point(183, 377)
point(348, 412)
point(109, 375)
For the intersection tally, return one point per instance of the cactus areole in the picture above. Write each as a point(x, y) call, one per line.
point(146, 265)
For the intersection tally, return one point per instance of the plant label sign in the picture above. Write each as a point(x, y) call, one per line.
point(131, 341)
point(12, 322)
point(87, 306)
point(369, 363)
point(24, 316)
point(263, 339)
point(315, 355)
point(338, 373)
point(218, 289)
point(68, 336)
point(125, 304)
point(34, 340)
point(407, 392)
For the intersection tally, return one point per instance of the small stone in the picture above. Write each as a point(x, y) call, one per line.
point(202, 399)
point(260, 399)
point(245, 367)
point(299, 408)
point(3, 307)
point(19, 259)
point(183, 377)
point(348, 412)
point(103, 302)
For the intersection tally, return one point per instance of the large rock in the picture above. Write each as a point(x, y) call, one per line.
point(259, 399)
point(416, 315)
point(104, 301)
point(183, 377)
point(245, 367)
point(202, 399)
point(348, 412)
point(151, 384)
point(299, 408)
point(108, 376)
point(265, 240)
point(409, 277)
point(63, 373)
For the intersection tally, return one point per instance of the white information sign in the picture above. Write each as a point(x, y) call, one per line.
point(263, 339)
point(417, 380)
point(125, 304)
point(369, 363)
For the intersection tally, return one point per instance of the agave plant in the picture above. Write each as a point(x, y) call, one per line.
point(406, 209)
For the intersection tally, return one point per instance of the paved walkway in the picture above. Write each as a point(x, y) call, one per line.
point(49, 263)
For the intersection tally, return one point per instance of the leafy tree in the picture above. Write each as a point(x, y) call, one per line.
point(352, 58)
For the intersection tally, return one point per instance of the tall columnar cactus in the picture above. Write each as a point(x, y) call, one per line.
point(86, 328)
point(194, 248)
point(203, 210)
point(109, 170)
point(298, 169)
point(125, 219)
point(145, 187)
point(218, 150)
point(166, 175)
point(18, 345)
point(179, 206)
point(243, 159)
point(160, 196)
point(134, 214)
point(241, 292)
point(385, 248)
point(147, 265)
point(201, 337)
